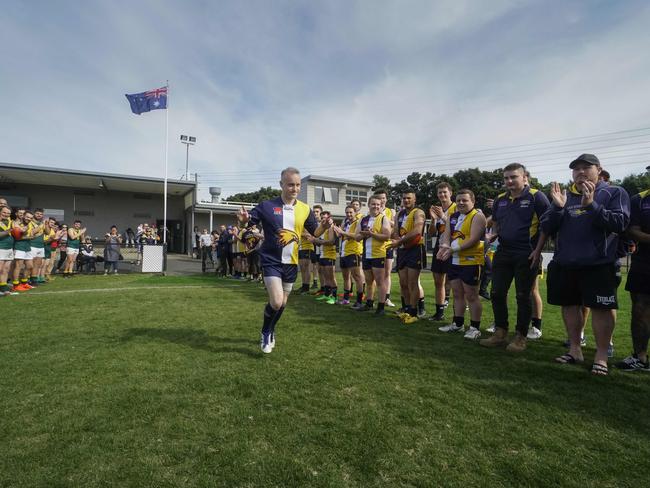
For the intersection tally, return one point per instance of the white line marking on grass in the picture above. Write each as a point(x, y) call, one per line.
point(127, 288)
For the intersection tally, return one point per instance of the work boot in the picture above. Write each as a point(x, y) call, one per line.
point(517, 344)
point(498, 339)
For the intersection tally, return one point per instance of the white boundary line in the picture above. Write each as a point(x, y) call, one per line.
point(128, 288)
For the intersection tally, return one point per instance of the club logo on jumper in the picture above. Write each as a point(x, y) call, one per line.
point(457, 235)
point(277, 210)
point(610, 300)
point(503, 203)
point(524, 204)
point(576, 211)
point(286, 237)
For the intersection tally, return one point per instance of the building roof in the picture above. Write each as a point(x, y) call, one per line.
point(329, 179)
point(71, 178)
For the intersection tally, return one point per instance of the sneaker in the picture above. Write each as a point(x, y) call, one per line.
point(437, 317)
point(317, 293)
point(272, 340)
point(314, 286)
point(331, 300)
point(632, 363)
point(484, 295)
point(322, 298)
point(389, 303)
point(446, 304)
point(265, 343)
point(610, 351)
point(534, 333)
point(380, 312)
point(472, 334)
point(498, 339)
point(364, 308)
point(422, 314)
point(343, 302)
point(583, 342)
point(27, 286)
point(409, 319)
point(451, 328)
point(492, 328)
point(357, 306)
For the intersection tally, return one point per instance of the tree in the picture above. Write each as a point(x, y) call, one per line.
point(264, 193)
point(634, 184)
point(379, 181)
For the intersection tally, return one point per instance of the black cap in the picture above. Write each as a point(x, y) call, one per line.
point(585, 158)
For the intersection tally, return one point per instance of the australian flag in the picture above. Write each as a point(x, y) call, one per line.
point(149, 100)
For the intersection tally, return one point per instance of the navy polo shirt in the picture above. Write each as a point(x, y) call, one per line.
point(640, 217)
point(518, 219)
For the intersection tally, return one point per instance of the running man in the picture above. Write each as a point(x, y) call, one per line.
point(462, 244)
point(283, 220)
point(411, 254)
point(439, 217)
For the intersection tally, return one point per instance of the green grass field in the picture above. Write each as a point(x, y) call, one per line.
point(136, 381)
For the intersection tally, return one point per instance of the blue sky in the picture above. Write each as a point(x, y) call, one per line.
point(329, 86)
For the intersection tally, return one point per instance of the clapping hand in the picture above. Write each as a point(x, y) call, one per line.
point(242, 215)
point(558, 195)
point(588, 189)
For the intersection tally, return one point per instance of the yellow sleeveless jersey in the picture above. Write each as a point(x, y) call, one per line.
point(461, 225)
point(373, 248)
point(349, 246)
point(329, 250)
point(240, 246)
point(305, 245)
point(406, 223)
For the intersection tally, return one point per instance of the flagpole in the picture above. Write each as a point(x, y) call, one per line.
point(166, 164)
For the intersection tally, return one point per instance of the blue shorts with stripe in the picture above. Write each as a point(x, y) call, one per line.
point(288, 272)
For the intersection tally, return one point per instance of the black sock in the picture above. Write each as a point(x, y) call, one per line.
point(315, 283)
point(412, 311)
point(327, 290)
point(403, 304)
point(346, 294)
point(536, 323)
point(305, 287)
point(359, 297)
point(334, 292)
point(268, 318)
point(440, 309)
point(459, 321)
point(275, 318)
point(369, 303)
point(387, 296)
point(380, 305)
point(351, 288)
point(421, 305)
point(475, 323)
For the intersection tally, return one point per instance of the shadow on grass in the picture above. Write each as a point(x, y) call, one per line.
point(531, 377)
point(194, 338)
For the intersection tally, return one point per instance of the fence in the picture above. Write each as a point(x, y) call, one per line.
point(131, 258)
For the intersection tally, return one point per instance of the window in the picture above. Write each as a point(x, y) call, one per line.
point(326, 195)
point(360, 195)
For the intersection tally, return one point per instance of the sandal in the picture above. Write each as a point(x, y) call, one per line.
point(598, 369)
point(567, 359)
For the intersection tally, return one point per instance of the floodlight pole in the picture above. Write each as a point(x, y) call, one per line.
point(188, 141)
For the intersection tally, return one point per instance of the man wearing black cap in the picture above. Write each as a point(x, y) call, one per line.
point(586, 222)
point(638, 283)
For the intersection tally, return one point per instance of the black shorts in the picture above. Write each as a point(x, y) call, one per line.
point(470, 274)
point(305, 254)
point(238, 255)
point(439, 266)
point(314, 257)
point(413, 258)
point(590, 286)
point(390, 253)
point(326, 262)
point(351, 261)
point(288, 272)
point(373, 263)
point(638, 281)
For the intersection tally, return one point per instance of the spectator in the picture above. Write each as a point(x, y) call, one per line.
point(130, 237)
point(196, 237)
point(87, 258)
point(222, 251)
point(112, 250)
point(205, 243)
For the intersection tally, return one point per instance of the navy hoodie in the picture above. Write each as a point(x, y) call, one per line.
point(587, 236)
